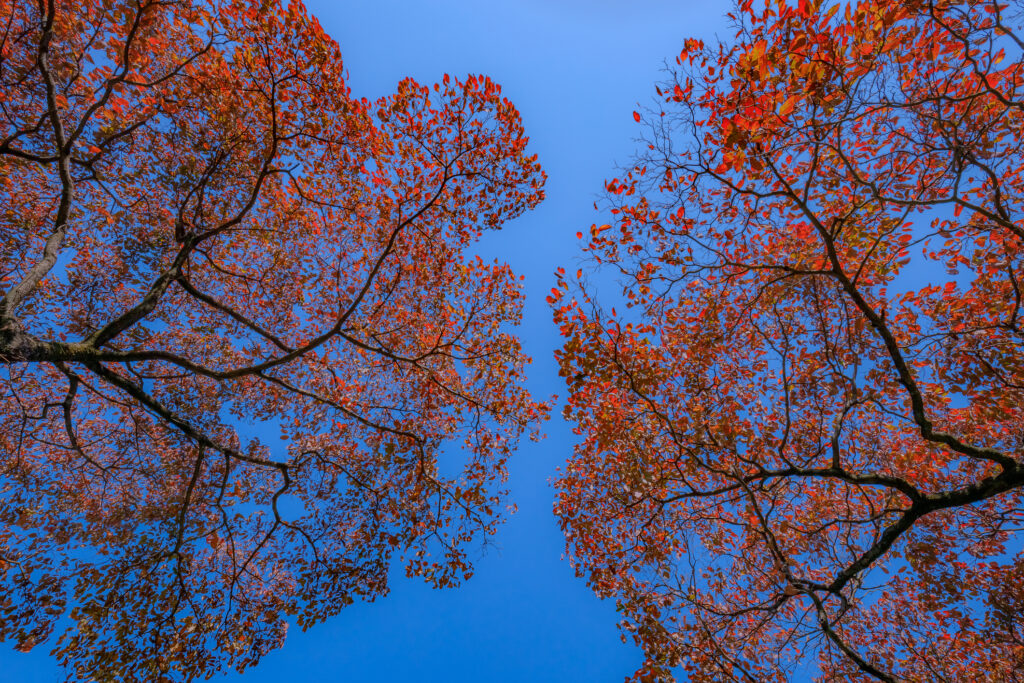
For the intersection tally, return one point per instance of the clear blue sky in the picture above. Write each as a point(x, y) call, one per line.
point(576, 69)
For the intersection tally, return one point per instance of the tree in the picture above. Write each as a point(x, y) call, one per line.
point(803, 432)
point(206, 238)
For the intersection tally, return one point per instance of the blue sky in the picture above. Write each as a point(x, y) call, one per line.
point(576, 70)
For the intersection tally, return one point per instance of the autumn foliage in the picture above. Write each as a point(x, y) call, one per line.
point(803, 419)
point(205, 240)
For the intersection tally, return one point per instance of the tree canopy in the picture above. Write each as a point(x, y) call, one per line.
point(801, 420)
point(203, 231)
